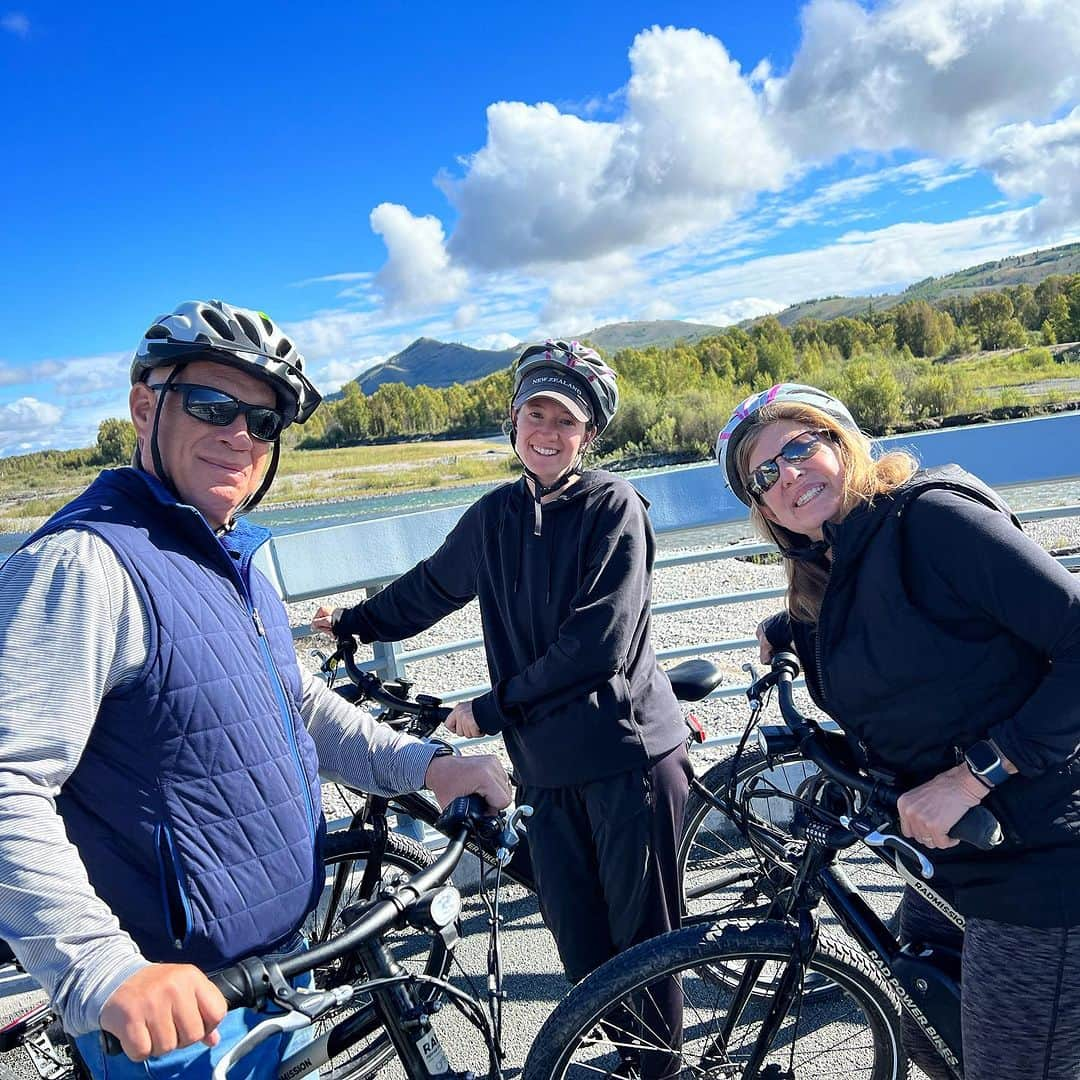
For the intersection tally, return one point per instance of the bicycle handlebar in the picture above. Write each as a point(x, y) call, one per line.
point(977, 827)
point(250, 983)
point(428, 710)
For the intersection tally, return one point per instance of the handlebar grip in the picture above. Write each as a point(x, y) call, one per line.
point(978, 827)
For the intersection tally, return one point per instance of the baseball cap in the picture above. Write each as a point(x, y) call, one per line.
point(563, 388)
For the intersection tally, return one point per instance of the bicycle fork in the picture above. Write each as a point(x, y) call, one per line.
point(406, 1020)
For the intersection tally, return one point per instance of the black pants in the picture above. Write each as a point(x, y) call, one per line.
point(604, 856)
point(1020, 1001)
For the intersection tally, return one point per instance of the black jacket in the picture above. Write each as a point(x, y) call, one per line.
point(943, 624)
point(576, 690)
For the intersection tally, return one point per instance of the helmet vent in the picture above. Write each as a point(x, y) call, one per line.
point(218, 323)
point(284, 347)
point(268, 326)
point(157, 331)
point(249, 328)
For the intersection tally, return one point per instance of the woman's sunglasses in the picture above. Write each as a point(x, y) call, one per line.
point(220, 409)
point(794, 452)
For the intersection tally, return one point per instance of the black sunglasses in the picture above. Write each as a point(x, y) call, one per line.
point(795, 451)
point(220, 409)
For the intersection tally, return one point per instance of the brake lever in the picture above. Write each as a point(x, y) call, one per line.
point(876, 838)
point(511, 835)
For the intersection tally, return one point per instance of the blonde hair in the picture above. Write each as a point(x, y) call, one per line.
point(864, 478)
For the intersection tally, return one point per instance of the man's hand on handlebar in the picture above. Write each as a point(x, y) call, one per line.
point(929, 811)
point(323, 622)
point(479, 774)
point(164, 1007)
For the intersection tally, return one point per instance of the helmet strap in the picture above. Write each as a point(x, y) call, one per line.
point(155, 449)
point(540, 491)
point(256, 497)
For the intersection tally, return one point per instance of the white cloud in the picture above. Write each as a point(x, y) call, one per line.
point(858, 263)
point(107, 373)
point(930, 75)
point(659, 309)
point(578, 290)
point(1029, 159)
point(495, 342)
point(465, 315)
point(417, 272)
point(28, 423)
point(352, 275)
point(337, 373)
point(691, 148)
point(747, 307)
point(15, 22)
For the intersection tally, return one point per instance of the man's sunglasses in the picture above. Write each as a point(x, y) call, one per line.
point(794, 452)
point(220, 409)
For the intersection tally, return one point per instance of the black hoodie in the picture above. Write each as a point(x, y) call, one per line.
point(943, 624)
point(576, 690)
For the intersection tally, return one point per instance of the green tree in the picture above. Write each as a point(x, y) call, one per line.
point(116, 442)
point(352, 414)
point(872, 392)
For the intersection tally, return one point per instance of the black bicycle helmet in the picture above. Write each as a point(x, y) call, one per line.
point(574, 375)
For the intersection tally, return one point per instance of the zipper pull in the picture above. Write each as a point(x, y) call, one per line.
point(257, 620)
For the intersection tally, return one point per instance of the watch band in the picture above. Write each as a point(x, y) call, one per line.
point(984, 760)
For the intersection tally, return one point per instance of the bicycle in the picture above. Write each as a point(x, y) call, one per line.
point(692, 680)
point(744, 1006)
point(392, 1007)
point(33, 1043)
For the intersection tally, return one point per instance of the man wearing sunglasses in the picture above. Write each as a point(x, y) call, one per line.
point(159, 806)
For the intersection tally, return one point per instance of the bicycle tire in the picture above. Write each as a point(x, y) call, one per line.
point(349, 850)
point(601, 1028)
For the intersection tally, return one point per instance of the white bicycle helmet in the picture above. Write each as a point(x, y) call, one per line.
point(248, 340)
point(744, 419)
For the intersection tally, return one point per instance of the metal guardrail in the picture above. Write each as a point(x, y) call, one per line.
point(391, 661)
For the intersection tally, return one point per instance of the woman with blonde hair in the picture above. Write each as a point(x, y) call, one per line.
point(946, 644)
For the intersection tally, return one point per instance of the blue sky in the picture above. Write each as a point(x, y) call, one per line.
point(488, 173)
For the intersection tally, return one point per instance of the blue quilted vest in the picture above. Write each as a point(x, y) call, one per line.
point(195, 806)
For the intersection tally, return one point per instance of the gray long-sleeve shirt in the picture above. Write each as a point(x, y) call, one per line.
point(72, 628)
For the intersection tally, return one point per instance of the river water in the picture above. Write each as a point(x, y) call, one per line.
point(296, 519)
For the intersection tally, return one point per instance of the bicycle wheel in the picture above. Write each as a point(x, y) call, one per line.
point(346, 854)
point(727, 868)
point(617, 1022)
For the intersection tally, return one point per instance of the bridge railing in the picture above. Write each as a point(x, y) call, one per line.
point(364, 556)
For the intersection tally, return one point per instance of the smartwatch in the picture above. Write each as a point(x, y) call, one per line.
point(984, 761)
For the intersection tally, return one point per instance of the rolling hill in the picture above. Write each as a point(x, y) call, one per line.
point(437, 363)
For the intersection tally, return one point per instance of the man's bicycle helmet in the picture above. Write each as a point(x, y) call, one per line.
point(744, 419)
point(248, 340)
point(583, 365)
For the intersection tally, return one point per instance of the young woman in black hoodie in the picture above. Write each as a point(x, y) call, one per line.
point(561, 562)
point(947, 645)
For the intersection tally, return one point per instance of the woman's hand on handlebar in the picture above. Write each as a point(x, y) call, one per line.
point(163, 1007)
point(477, 774)
point(929, 811)
point(323, 622)
point(462, 722)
